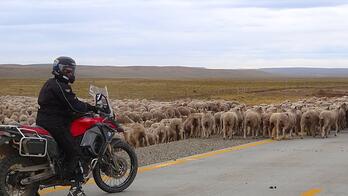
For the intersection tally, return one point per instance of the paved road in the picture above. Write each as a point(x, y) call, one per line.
point(311, 166)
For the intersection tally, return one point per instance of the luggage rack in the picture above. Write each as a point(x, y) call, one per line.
point(30, 146)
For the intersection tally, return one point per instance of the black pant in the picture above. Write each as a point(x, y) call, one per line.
point(65, 141)
point(60, 131)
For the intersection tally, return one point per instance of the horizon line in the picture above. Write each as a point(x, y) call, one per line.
point(181, 66)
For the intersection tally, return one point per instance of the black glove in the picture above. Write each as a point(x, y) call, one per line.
point(103, 109)
point(92, 108)
point(119, 129)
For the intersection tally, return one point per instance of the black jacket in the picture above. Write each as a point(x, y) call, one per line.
point(58, 104)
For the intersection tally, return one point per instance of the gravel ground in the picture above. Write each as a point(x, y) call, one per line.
point(183, 148)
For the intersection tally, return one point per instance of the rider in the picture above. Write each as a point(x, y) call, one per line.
point(58, 104)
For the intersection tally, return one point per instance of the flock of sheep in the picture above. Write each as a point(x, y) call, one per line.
point(151, 122)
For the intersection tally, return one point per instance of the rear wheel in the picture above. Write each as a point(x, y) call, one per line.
point(10, 177)
point(118, 168)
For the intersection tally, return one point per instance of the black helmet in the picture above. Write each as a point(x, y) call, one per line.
point(64, 68)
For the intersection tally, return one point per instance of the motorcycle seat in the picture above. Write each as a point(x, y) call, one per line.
point(38, 129)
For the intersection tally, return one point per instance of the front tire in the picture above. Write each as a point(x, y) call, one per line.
point(10, 178)
point(127, 163)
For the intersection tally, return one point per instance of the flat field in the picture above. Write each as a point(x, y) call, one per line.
point(245, 91)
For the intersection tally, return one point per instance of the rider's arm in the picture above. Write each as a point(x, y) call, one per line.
point(66, 95)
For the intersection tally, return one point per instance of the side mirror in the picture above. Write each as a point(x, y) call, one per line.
point(98, 97)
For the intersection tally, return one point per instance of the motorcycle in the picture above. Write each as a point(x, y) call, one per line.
point(30, 159)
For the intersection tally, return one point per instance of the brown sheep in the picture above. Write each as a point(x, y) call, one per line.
point(15, 116)
point(170, 112)
point(218, 123)
point(23, 117)
point(309, 122)
point(31, 121)
point(161, 131)
point(151, 138)
point(158, 115)
point(2, 118)
point(265, 117)
point(342, 116)
point(229, 124)
point(123, 119)
point(177, 113)
point(146, 116)
point(279, 122)
point(252, 120)
point(291, 122)
point(298, 113)
point(135, 117)
point(208, 124)
point(192, 125)
point(10, 121)
point(135, 135)
point(212, 106)
point(31, 110)
point(184, 111)
point(34, 114)
point(328, 120)
point(7, 113)
point(148, 123)
point(240, 119)
point(175, 130)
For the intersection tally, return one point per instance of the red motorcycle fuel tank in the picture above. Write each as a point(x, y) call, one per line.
point(81, 125)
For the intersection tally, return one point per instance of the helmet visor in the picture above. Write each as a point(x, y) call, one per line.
point(67, 70)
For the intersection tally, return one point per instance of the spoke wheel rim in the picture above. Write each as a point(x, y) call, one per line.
point(120, 177)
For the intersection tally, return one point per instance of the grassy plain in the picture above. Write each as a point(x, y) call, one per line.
point(246, 91)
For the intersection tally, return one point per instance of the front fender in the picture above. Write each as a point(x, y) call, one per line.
point(116, 140)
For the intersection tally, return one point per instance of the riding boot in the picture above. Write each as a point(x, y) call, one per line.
point(71, 168)
point(76, 190)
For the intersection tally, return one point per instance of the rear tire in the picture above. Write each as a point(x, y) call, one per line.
point(97, 172)
point(9, 178)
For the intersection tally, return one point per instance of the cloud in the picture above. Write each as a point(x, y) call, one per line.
point(219, 34)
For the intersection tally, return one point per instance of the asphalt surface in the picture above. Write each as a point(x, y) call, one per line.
point(311, 166)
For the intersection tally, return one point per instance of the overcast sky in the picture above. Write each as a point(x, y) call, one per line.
point(229, 34)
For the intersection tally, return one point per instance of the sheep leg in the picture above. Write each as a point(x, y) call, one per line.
point(224, 131)
point(230, 130)
point(244, 132)
point(323, 132)
point(147, 143)
point(336, 129)
point(283, 133)
point(191, 132)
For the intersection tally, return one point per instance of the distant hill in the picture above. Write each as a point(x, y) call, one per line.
point(170, 72)
point(151, 72)
point(308, 72)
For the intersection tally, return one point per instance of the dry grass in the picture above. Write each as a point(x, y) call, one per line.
point(246, 91)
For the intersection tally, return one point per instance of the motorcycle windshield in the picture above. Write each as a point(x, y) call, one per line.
point(94, 90)
point(101, 100)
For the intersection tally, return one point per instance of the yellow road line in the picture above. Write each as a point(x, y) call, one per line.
point(174, 162)
point(311, 192)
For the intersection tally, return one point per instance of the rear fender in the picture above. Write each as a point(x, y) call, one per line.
point(6, 136)
point(4, 140)
point(6, 150)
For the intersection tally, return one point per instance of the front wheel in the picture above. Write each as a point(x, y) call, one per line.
point(117, 169)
